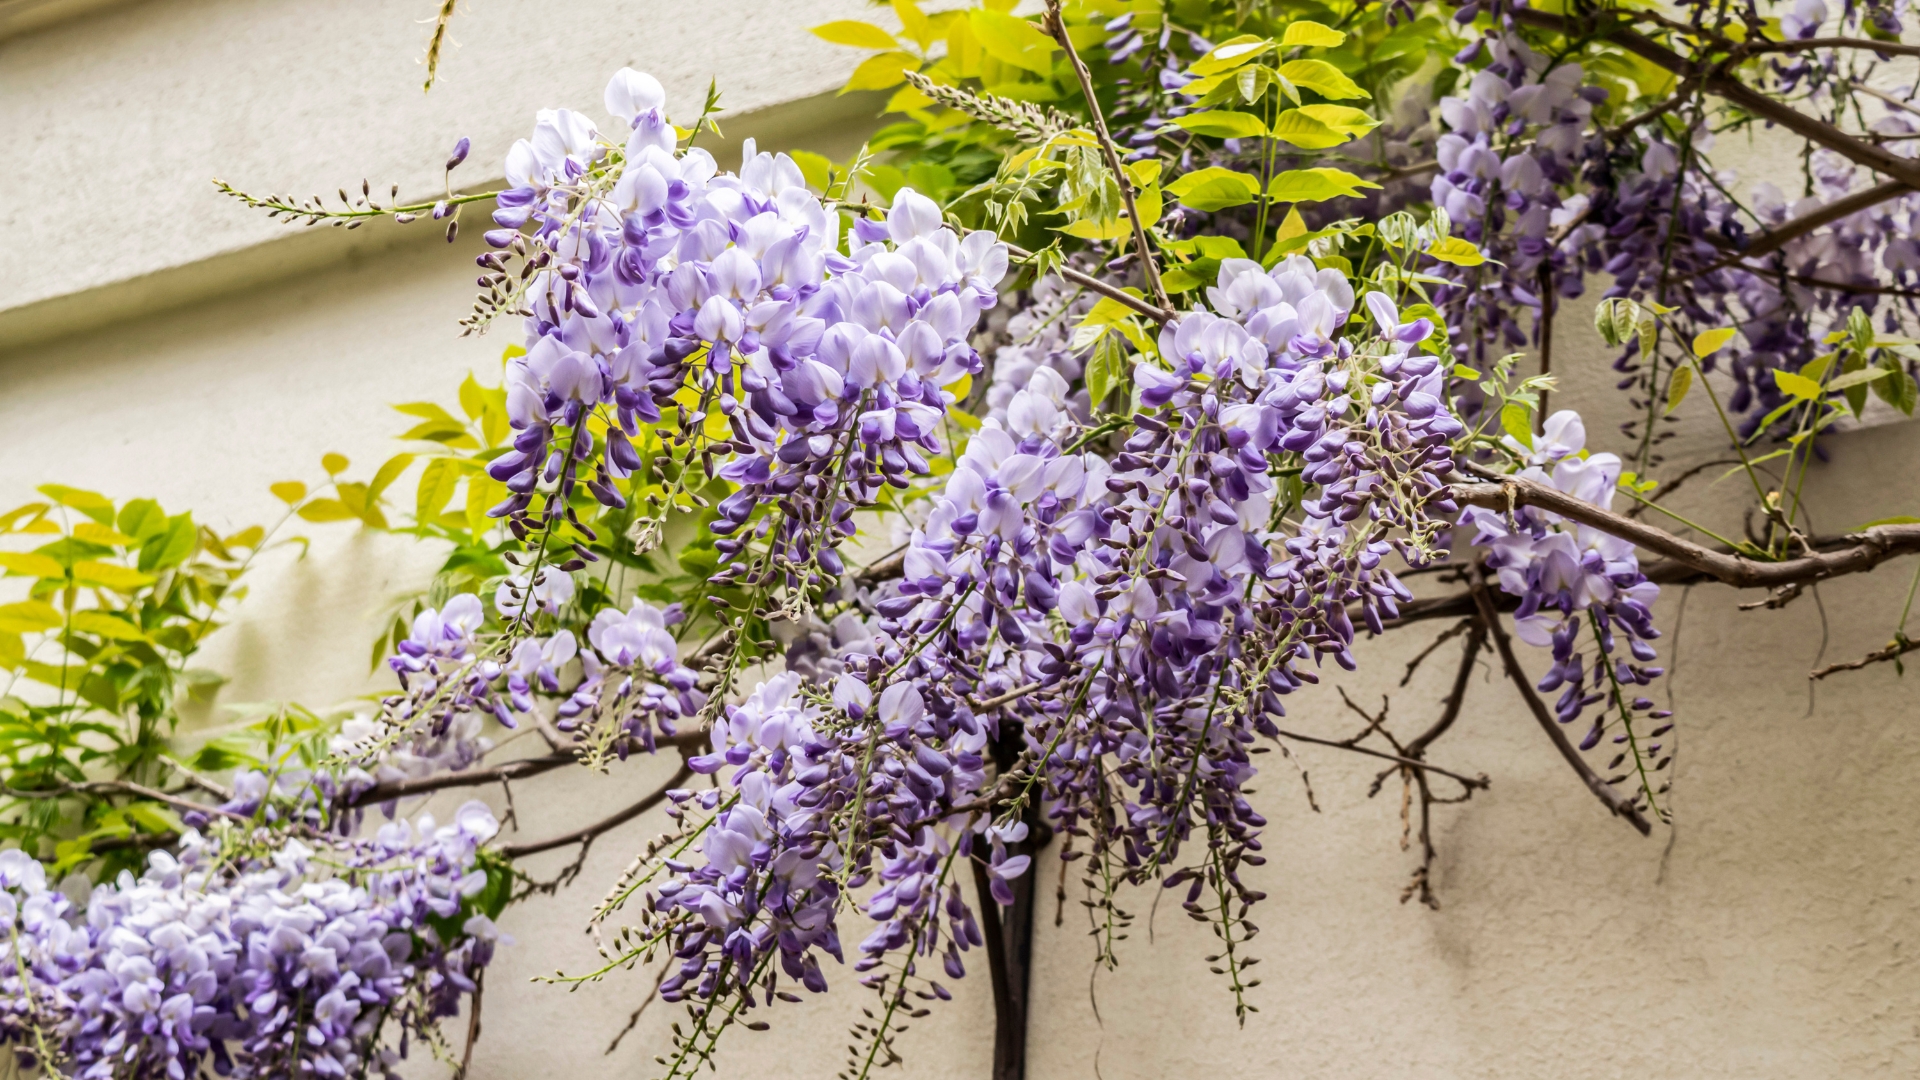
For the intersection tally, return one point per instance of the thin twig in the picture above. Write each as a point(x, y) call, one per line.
point(1469, 781)
point(1774, 239)
point(1057, 26)
point(1616, 803)
point(1898, 647)
point(1111, 292)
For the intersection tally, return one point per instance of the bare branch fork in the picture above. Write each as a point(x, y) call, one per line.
point(1616, 803)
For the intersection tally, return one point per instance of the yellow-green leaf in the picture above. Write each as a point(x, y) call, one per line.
point(1231, 54)
point(1313, 35)
point(91, 503)
point(32, 565)
point(1516, 420)
point(95, 533)
point(1089, 229)
point(1303, 129)
point(1145, 171)
point(1712, 341)
point(1316, 185)
point(1677, 388)
point(320, 510)
point(1322, 78)
point(1291, 227)
point(1851, 378)
point(335, 463)
point(1452, 249)
point(109, 576)
point(473, 400)
point(1213, 188)
point(1342, 118)
point(106, 625)
point(289, 491)
point(915, 24)
point(1013, 41)
point(1798, 386)
point(388, 473)
point(814, 167)
point(860, 35)
point(28, 617)
point(1222, 124)
point(880, 72)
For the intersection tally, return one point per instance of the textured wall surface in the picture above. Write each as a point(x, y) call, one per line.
point(1772, 934)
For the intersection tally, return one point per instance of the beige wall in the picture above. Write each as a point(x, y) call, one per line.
point(1771, 935)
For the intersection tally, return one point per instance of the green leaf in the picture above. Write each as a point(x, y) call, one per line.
point(1322, 78)
point(171, 547)
point(1106, 370)
point(1899, 391)
point(1231, 54)
point(1678, 386)
point(860, 35)
point(1462, 371)
point(1903, 519)
point(109, 576)
point(1223, 124)
point(28, 617)
point(334, 464)
point(1179, 279)
point(1213, 188)
point(1712, 341)
point(1315, 185)
point(1013, 41)
point(1313, 35)
point(1798, 386)
point(1517, 420)
point(91, 503)
point(289, 491)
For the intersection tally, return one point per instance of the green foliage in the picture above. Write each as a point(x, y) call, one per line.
point(110, 603)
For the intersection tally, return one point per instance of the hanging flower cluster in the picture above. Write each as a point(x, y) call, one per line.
point(1576, 584)
point(254, 961)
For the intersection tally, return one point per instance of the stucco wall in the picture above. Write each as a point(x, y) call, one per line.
point(1771, 934)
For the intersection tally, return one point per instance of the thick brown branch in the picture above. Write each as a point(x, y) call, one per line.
point(420, 785)
point(1618, 804)
point(1717, 82)
point(121, 787)
point(1885, 48)
point(1868, 549)
point(587, 833)
point(1774, 239)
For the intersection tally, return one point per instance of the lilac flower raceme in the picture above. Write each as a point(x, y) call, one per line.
point(250, 961)
point(661, 283)
point(1577, 584)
